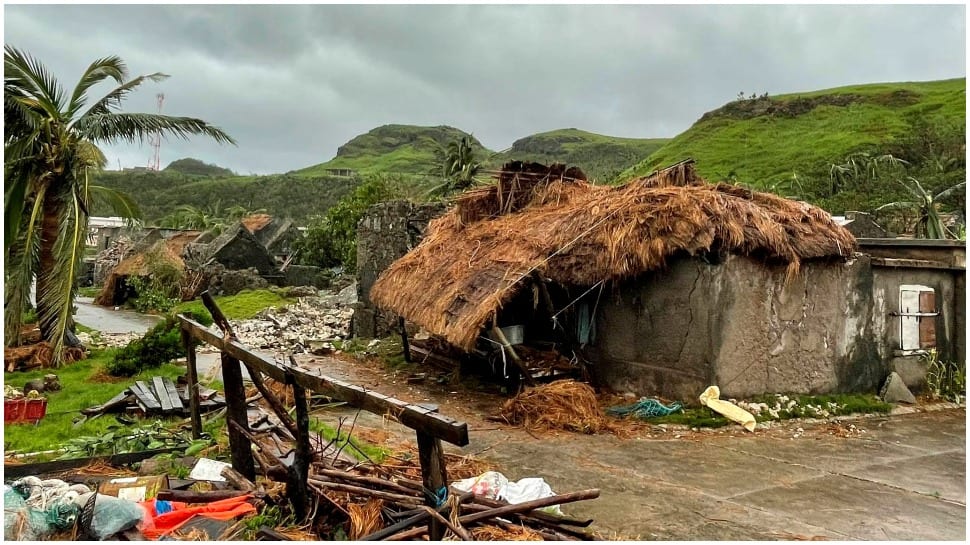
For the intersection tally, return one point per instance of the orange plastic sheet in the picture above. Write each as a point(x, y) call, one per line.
point(156, 525)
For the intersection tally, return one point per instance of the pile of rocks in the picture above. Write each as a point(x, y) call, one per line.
point(107, 340)
point(311, 324)
point(108, 259)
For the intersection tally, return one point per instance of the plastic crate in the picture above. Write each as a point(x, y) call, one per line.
point(35, 410)
point(14, 409)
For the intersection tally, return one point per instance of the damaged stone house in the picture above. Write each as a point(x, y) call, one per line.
point(252, 253)
point(667, 284)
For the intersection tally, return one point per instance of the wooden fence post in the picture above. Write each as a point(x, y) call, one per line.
point(297, 489)
point(240, 447)
point(434, 478)
point(192, 377)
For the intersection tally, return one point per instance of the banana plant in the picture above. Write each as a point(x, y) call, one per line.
point(925, 204)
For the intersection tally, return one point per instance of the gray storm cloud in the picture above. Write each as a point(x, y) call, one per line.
point(292, 83)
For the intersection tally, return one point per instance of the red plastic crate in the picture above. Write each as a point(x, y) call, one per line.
point(14, 409)
point(24, 410)
point(36, 409)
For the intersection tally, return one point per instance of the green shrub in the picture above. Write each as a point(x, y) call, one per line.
point(160, 345)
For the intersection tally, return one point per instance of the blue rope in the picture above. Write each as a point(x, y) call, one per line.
point(645, 408)
point(438, 498)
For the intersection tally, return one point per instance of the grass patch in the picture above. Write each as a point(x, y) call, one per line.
point(242, 306)
point(786, 407)
point(81, 388)
point(356, 448)
point(90, 291)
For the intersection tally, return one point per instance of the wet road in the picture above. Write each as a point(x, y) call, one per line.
point(108, 320)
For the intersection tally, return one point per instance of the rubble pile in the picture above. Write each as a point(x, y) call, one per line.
point(108, 259)
point(107, 340)
point(312, 323)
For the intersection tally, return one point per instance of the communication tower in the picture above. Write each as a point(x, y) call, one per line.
point(155, 140)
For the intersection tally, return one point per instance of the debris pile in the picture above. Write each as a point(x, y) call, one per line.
point(560, 405)
point(108, 259)
point(310, 324)
point(159, 395)
point(107, 340)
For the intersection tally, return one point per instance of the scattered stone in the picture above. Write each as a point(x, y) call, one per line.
point(302, 291)
point(309, 324)
point(895, 390)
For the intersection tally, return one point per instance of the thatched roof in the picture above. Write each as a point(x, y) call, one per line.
point(549, 220)
point(169, 249)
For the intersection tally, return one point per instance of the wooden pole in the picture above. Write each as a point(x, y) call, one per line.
point(434, 478)
point(273, 401)
point(239, 445)
point(296, 489)
point(192, 377)
point(497, 331)
point(404, 339)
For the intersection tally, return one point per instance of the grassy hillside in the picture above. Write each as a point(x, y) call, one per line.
point(762, 142)
point(600, 157)
point(160, 193)
point(406, 149)
point(195, 167)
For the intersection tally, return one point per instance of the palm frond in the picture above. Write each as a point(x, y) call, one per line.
point(137, 127)
point(108, 67)
point(28, 75)
point(121, 204)
point(114, 98)
point(20, 265)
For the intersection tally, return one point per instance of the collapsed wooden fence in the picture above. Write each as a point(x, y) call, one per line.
point(430, 427)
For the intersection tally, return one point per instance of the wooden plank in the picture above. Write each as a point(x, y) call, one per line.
point(173, 395)
point(120, 399)
point(17, 471)
point(158, 388)
point(240, 447)
point(434, 479)
point(412, 416)
point(145, 396)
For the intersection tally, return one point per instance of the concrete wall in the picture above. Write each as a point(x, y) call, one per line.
point(385, 233)
point(739, 326)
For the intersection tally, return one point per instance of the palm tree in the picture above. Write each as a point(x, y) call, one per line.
point(50, 147)
point(458, 164)
point(926, 206)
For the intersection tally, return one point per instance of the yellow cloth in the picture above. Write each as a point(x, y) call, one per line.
point(728, 409)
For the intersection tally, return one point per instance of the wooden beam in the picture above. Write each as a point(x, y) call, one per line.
point(239, 445)
point(296, 487)
point(412, 416)
point(507, 346)
point(17, 471)
point(434, 479)
point(217, 316)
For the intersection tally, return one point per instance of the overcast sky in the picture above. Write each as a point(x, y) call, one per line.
point(292, 83)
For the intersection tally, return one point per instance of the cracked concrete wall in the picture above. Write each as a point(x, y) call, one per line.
point(738, 325)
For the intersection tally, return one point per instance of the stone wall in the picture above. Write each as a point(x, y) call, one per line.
point(385, 233)
point(740, 326)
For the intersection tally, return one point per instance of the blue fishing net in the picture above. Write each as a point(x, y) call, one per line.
point(645, 408)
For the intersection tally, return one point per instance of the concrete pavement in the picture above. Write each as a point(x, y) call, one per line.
point(904, 479)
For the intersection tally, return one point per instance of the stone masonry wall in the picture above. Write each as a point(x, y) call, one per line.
point(385, 233)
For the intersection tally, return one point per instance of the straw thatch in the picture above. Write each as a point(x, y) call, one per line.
point(549, 220)
point(560, 405)
point(170, 250)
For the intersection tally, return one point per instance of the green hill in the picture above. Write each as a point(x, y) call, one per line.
point(160, 193)
point(406, 149)
point(600, 157)
point(763, 142)
point(195, 167)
